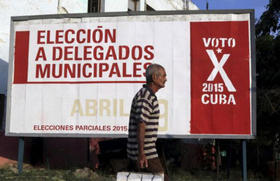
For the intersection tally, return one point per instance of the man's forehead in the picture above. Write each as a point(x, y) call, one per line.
point(162, 69)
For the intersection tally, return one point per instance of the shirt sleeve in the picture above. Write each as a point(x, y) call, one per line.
point(144, 110)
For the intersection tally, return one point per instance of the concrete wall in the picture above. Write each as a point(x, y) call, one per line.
point(162, 5)
point(158, 5)
point(9, 145)
point(114, 5)
point(28, 7)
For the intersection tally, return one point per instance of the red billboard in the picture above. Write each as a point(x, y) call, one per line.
point(220, 76)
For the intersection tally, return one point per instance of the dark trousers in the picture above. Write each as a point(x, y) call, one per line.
point(154, 166)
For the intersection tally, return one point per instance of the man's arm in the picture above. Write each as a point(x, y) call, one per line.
point(141, 136)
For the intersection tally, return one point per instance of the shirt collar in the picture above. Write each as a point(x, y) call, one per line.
point(149, 89)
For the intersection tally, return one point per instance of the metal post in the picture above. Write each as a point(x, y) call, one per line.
point(20, 154)
point(218, 154)
point(244, 160)
point(229, 148)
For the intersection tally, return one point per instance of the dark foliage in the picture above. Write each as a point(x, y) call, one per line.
point(268, 71)
point(269, 21)
point(268, 86)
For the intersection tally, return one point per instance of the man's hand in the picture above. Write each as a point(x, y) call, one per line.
point(143, 162)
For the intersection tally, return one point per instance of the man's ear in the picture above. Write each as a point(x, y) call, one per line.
point(154, 77)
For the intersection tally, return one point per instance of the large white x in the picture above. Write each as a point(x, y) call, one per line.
point(219, 68)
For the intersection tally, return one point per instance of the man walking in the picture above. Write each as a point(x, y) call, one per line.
point(143, 123)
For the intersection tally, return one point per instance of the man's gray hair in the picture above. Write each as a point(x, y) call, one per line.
point(151, 70)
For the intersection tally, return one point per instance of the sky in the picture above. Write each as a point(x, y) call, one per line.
point(258, 5)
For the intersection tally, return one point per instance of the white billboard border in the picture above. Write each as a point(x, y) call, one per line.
point(132, 13)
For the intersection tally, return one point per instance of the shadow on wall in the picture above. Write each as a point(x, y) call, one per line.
point(54, 152)
point(9, 149)
point(4, 69)
point(8, 145)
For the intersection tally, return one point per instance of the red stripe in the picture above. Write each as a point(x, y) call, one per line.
point(21, 57)
point(87, 82)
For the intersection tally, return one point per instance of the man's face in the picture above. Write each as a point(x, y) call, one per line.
point(160, 79)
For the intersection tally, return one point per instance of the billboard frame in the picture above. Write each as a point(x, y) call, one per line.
point(132, 13)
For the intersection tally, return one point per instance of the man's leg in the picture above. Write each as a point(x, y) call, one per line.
point(155, 166)
point(133, 166)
